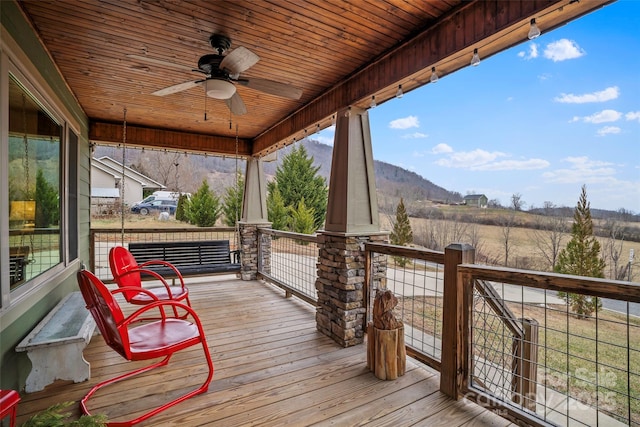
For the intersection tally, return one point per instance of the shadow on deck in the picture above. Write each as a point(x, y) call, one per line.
point(272, 368)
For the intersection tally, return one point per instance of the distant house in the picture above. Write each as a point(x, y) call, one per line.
point(107, 182)
point(476, 200)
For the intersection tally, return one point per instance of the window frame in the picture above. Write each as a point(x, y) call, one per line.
point(35, 86)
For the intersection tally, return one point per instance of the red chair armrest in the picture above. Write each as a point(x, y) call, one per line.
point(159, 304)
point(151, 273)
point(166, 264)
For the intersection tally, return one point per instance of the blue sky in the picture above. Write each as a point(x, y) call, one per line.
point(540, 119)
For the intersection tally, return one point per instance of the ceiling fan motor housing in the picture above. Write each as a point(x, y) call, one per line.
point(219, 42)
point(210, 64)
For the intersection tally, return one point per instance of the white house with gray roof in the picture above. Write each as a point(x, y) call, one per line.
point(108, 179)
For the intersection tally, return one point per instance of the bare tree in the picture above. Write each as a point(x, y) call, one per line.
point(548, 235)
point(475, 240)
point(516, 202)
point(507, 222)
point(612, 249)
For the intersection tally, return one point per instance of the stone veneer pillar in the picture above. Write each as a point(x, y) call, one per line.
point(342, 306)
point(255, 252)
point(352, 220)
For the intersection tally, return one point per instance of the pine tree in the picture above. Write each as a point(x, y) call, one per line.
point(47, 204)
point(297, 179)
point(401, 234)
point(277, 212)
point(182, 208)
point(232, 202)
point(204, 207)
point(581, 257)
point(302, 219)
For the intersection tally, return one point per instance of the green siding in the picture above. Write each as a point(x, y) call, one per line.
point(17, 320)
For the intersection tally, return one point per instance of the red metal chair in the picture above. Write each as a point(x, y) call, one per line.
point(8, 405)
point(127, 273)
point(160, 338)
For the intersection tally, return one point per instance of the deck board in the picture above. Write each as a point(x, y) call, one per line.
point(272, 368)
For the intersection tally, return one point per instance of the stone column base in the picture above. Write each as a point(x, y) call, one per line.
point(252, 256)
point(341, 308)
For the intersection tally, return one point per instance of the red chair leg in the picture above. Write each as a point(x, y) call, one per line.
point(128, 423)
point(9, 405)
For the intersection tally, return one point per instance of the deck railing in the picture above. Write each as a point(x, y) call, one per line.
point(292, 264)
point(416, 277)
point(103, 239)
point(571, 369)
point(504, 338)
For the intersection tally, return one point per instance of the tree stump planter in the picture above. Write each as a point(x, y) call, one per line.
point(386, 354)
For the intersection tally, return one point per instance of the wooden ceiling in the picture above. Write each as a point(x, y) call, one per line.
point(114, 54)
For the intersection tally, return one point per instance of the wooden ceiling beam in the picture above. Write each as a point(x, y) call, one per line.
point(138, 136)
point(489, 25)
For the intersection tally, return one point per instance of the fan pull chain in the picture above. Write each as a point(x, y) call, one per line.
point(205, 106)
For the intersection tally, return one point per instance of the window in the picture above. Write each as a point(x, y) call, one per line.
point(35, 182)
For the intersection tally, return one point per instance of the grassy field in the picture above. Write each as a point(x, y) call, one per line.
point(488, 239)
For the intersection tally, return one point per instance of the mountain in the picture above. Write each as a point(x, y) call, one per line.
point(392, 182)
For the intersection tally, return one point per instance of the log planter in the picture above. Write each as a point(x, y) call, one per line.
point(386, 354)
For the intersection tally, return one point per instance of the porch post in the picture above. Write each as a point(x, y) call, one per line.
point(454, 346)
point(254, 217)
point(352, 219)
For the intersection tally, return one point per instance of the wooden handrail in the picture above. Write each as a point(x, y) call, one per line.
point(403, 251)
point(290, 234)
point(604, 288)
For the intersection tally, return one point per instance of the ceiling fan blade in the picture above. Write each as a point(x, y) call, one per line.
point(273, 88)
point(238, 60)
point(236, 105)
point(176, 88)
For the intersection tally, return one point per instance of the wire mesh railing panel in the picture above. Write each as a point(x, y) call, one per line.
point(416, 278)
point(293, 262)
point(104, 239)
point(576, 361)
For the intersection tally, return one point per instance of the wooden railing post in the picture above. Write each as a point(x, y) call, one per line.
point(452, 356)
point(525, 373)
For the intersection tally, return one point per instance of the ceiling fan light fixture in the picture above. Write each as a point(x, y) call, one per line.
point(219, 89)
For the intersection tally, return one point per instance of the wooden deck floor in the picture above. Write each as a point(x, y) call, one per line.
point(272, 368)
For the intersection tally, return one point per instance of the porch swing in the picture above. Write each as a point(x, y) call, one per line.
point(169, 260)
point(22, 212)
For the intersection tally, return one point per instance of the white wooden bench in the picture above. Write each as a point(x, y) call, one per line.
point(55, 345)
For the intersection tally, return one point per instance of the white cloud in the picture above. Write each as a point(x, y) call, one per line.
point(482, 160)
point(405, 123)
point(415, 135)
point(609, 130)
point(503, 165)
point(442, 148)
point(325, 136)
point(531, 54)
point(323, 139)
point(603, 116)
point(604, 95)
point(582, 170)
point(469, 159)
point(545, 76)
point(562, 50)
point(633, 115)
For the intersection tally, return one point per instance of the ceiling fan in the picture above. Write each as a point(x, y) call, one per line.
point(222, 74)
